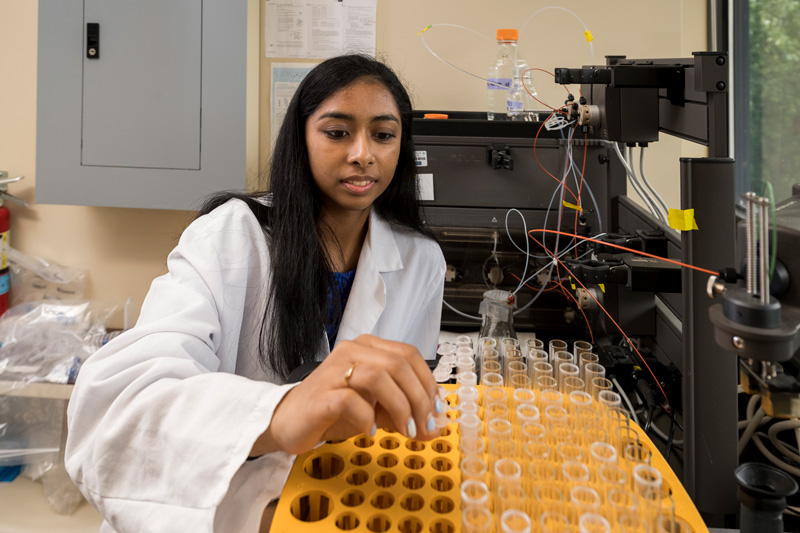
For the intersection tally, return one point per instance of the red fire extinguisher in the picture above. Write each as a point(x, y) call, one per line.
point(5, 226)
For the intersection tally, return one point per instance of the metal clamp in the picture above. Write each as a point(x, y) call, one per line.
point(4, 194)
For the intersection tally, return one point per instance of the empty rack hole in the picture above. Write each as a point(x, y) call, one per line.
point(441, 464)
point(385, 480)
point(347, 521)
point(442, 505)
point(412, 502)
point(360, 458)
point(445, 431)
point(382, 500)
point(442, 484)
point(415, 445)
point(353, 498)
point(414, 481)
point(443, 526)
point(409, 524)
point(379, 523)
point(387, 460)
point(357, 477)
point(414, 462)
point(324, 466)
point(389, 443)
point(441, 446)
point(311, 507)
point(363, 441)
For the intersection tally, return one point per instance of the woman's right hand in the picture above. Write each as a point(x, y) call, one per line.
point(389, 385)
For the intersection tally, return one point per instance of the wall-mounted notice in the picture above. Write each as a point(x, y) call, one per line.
point(285, 78)
point(319, 28)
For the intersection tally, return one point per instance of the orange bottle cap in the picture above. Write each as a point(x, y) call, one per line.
point(435, 115)
point(507, 35)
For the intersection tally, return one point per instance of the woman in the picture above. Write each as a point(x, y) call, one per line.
point(185, 422)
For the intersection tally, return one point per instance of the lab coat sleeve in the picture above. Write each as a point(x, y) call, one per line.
point(159, 425)
point(428, 320)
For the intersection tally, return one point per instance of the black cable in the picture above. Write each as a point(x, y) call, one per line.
point(670, 437)
point(650, 410)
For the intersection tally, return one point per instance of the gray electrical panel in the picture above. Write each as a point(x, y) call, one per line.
point(141, 104)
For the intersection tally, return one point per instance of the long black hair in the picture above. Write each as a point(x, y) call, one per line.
point(297, 313)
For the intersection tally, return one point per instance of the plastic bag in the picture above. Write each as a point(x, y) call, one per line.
point(44, 342)
point(34, 278)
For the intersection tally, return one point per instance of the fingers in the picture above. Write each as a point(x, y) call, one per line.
point(397, 377)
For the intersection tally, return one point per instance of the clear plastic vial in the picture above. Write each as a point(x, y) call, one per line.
point(501, 74)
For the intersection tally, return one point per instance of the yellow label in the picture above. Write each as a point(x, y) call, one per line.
point(682, 220)
point(588, 36)
point(602, 287)
point(572, 206)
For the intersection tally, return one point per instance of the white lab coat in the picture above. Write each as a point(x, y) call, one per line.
point(162, 418)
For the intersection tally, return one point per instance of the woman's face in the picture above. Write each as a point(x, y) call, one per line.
point(353, 141)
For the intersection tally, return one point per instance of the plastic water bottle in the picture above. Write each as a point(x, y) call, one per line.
point(501, 75)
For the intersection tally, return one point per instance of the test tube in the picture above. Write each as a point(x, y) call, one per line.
point(645, 479)
point(579, 347)
point(470, 425)
point(579, 399)
point(526, 413)
point(585, 499)
point(575, 473)
point(540, 368)
point(566, 370)
point(469, 379)
point(476, 519)
point(505, 470)
point(556, 345)
point(464, 340)
point(573, 384)
point(602, 453)
point(545, 383)
point(486, 342)
point(496, 410)
point(515, 521)
point(554, 522)
point(514, 367)
point(593, 523)
point(510, 496)
point(469, 407)
point(473, 467)
point(635, 454)
point(536, 450)
point(491, 367)
point(672, 524)
point(523, 395)
point(465, 363)
point(471, 446)
point(501, 449)
point(533, 431)
point(474, 493)
point(520, 381)
point(621, 502)
point(510, 343)
point(536, 356)
point(468, 394)
point(549, 397)
point(611, 476)
point(498, 428)
point(597, 385)
point(446, 348)
point(533, 344)
point(566, 451)
point(591, 369)
point(561, 356)
point(495, 394)
point(492, 379)
point(609, 398)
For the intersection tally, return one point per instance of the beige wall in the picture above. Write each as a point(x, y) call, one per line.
point(124, 249)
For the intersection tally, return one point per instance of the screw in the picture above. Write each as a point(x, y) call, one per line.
point(92, 52)
point(721, 86)
point(720, 60)
point(738, 342)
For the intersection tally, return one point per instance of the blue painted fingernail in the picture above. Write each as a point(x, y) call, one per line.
point(411, 429)
point(431, 423)
point(439, 406)
point(374, 430)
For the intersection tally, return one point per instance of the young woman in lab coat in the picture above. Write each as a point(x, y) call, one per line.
point(186, 422)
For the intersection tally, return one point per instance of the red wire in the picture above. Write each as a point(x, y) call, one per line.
point(667, 407)
point(711, 272)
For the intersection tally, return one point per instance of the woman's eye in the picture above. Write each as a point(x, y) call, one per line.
point(335, 134)
point(384, 136)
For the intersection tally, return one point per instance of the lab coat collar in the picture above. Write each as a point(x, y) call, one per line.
point(368, 296)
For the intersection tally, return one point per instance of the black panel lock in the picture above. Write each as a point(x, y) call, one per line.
point(93, 40)
point(499, 157)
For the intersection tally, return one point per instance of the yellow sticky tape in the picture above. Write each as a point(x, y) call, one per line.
point(426, 29)
point(682, 220)
point(573, 206)
point(602, 287)
point(588, 36)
